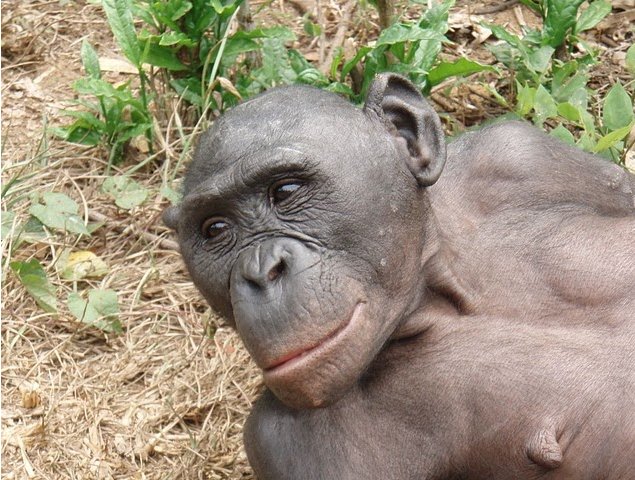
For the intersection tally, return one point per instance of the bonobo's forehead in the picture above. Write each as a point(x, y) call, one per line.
point(292, 123)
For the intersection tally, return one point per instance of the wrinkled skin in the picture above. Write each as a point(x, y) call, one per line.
point(474, 324)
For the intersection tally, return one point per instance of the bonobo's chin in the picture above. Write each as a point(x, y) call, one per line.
point(322, 375)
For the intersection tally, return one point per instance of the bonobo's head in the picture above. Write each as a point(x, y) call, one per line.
point(302, 223)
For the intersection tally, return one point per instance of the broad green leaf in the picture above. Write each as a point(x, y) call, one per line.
point(538, 60)
point(77, 134)
point(101, 88)
point(90, 60)
point(126, 192)
point(586, 142)
point(398, 33)
point(425, 55)
point(172, 195)
point(560, 18)
point(618, 108)
point(348, 66)
point(59, 212)
point(32, 231)
point(630, 59)
point(33, 277)
point(525, 99)
point(175, 38)
point(460, 68)
point(544, 105)
point(593, 15)
point(568, 111)
point(281, 33)
point(607, 141)
point(588, 120)
point(563, 134)
point(119, 14)
point(189, 89)
point(87, 119)
point(81, 264)
point(563, 89)
point(312, 29)
point(235, 46)
point(436, 16)
point(101, 310)
point(502, 34)
point(163, 57)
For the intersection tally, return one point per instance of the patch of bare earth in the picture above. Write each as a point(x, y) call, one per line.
point(169, 396)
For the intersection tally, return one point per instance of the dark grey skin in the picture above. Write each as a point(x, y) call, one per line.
point(478, 324)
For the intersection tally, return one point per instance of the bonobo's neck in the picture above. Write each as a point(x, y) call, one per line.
point(443, 294)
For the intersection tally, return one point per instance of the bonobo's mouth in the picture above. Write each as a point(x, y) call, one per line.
point(298, 358)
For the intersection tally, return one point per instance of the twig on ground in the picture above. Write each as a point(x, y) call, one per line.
point(496, 8)
point(150, 237)
point(338, 39)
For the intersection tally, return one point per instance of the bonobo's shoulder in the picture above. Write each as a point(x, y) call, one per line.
point(527, 163)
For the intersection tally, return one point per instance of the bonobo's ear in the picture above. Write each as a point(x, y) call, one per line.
point(411, 119)
point(171, 217)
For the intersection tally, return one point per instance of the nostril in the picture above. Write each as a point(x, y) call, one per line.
point(277, 270)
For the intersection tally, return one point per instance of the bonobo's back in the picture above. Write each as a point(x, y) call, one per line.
point(551, 226)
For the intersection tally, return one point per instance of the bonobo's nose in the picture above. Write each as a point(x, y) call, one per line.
point(262, 265)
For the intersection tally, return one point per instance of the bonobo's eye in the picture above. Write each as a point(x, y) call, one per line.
point(282, 190)
point(214, 228)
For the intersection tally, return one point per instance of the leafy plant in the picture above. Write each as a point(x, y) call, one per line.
point(33, 277)
point(112, 116)
point(548, 85)
point(100, 310)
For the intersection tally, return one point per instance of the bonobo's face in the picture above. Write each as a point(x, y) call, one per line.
point(302, 224)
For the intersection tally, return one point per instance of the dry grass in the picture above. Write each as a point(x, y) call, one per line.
point(168, 397)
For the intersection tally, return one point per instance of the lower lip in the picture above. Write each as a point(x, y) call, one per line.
point(295, 358)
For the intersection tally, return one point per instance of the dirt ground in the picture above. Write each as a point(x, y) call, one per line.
point(168, 397)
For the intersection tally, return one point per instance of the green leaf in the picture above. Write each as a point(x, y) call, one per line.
point(172, 195)
point(563, 134)
point(607, 141)
point(101, 310)
point(348, 66)
point(525, 99)
point(175, 38)
point(189, 89)
point(90, 60)
point(399, 33)
point(32, 276)
point(618, 108)
point(126, 192)
point(119, 14)
point(77, 134)
point(569, 111)
point(59, 212)
point(502, 34)
point(544, 105)
point(538, 60)
point(586, 142)
point(312, 29)
point(281, 33)
point(560, 18)
point(162, 57)
point(630, 59)
point(593, 15)
point(460, 68)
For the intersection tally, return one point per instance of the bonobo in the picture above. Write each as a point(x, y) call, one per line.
point(478, 324)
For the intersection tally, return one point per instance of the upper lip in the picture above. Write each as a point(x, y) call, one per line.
point(295, 355)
